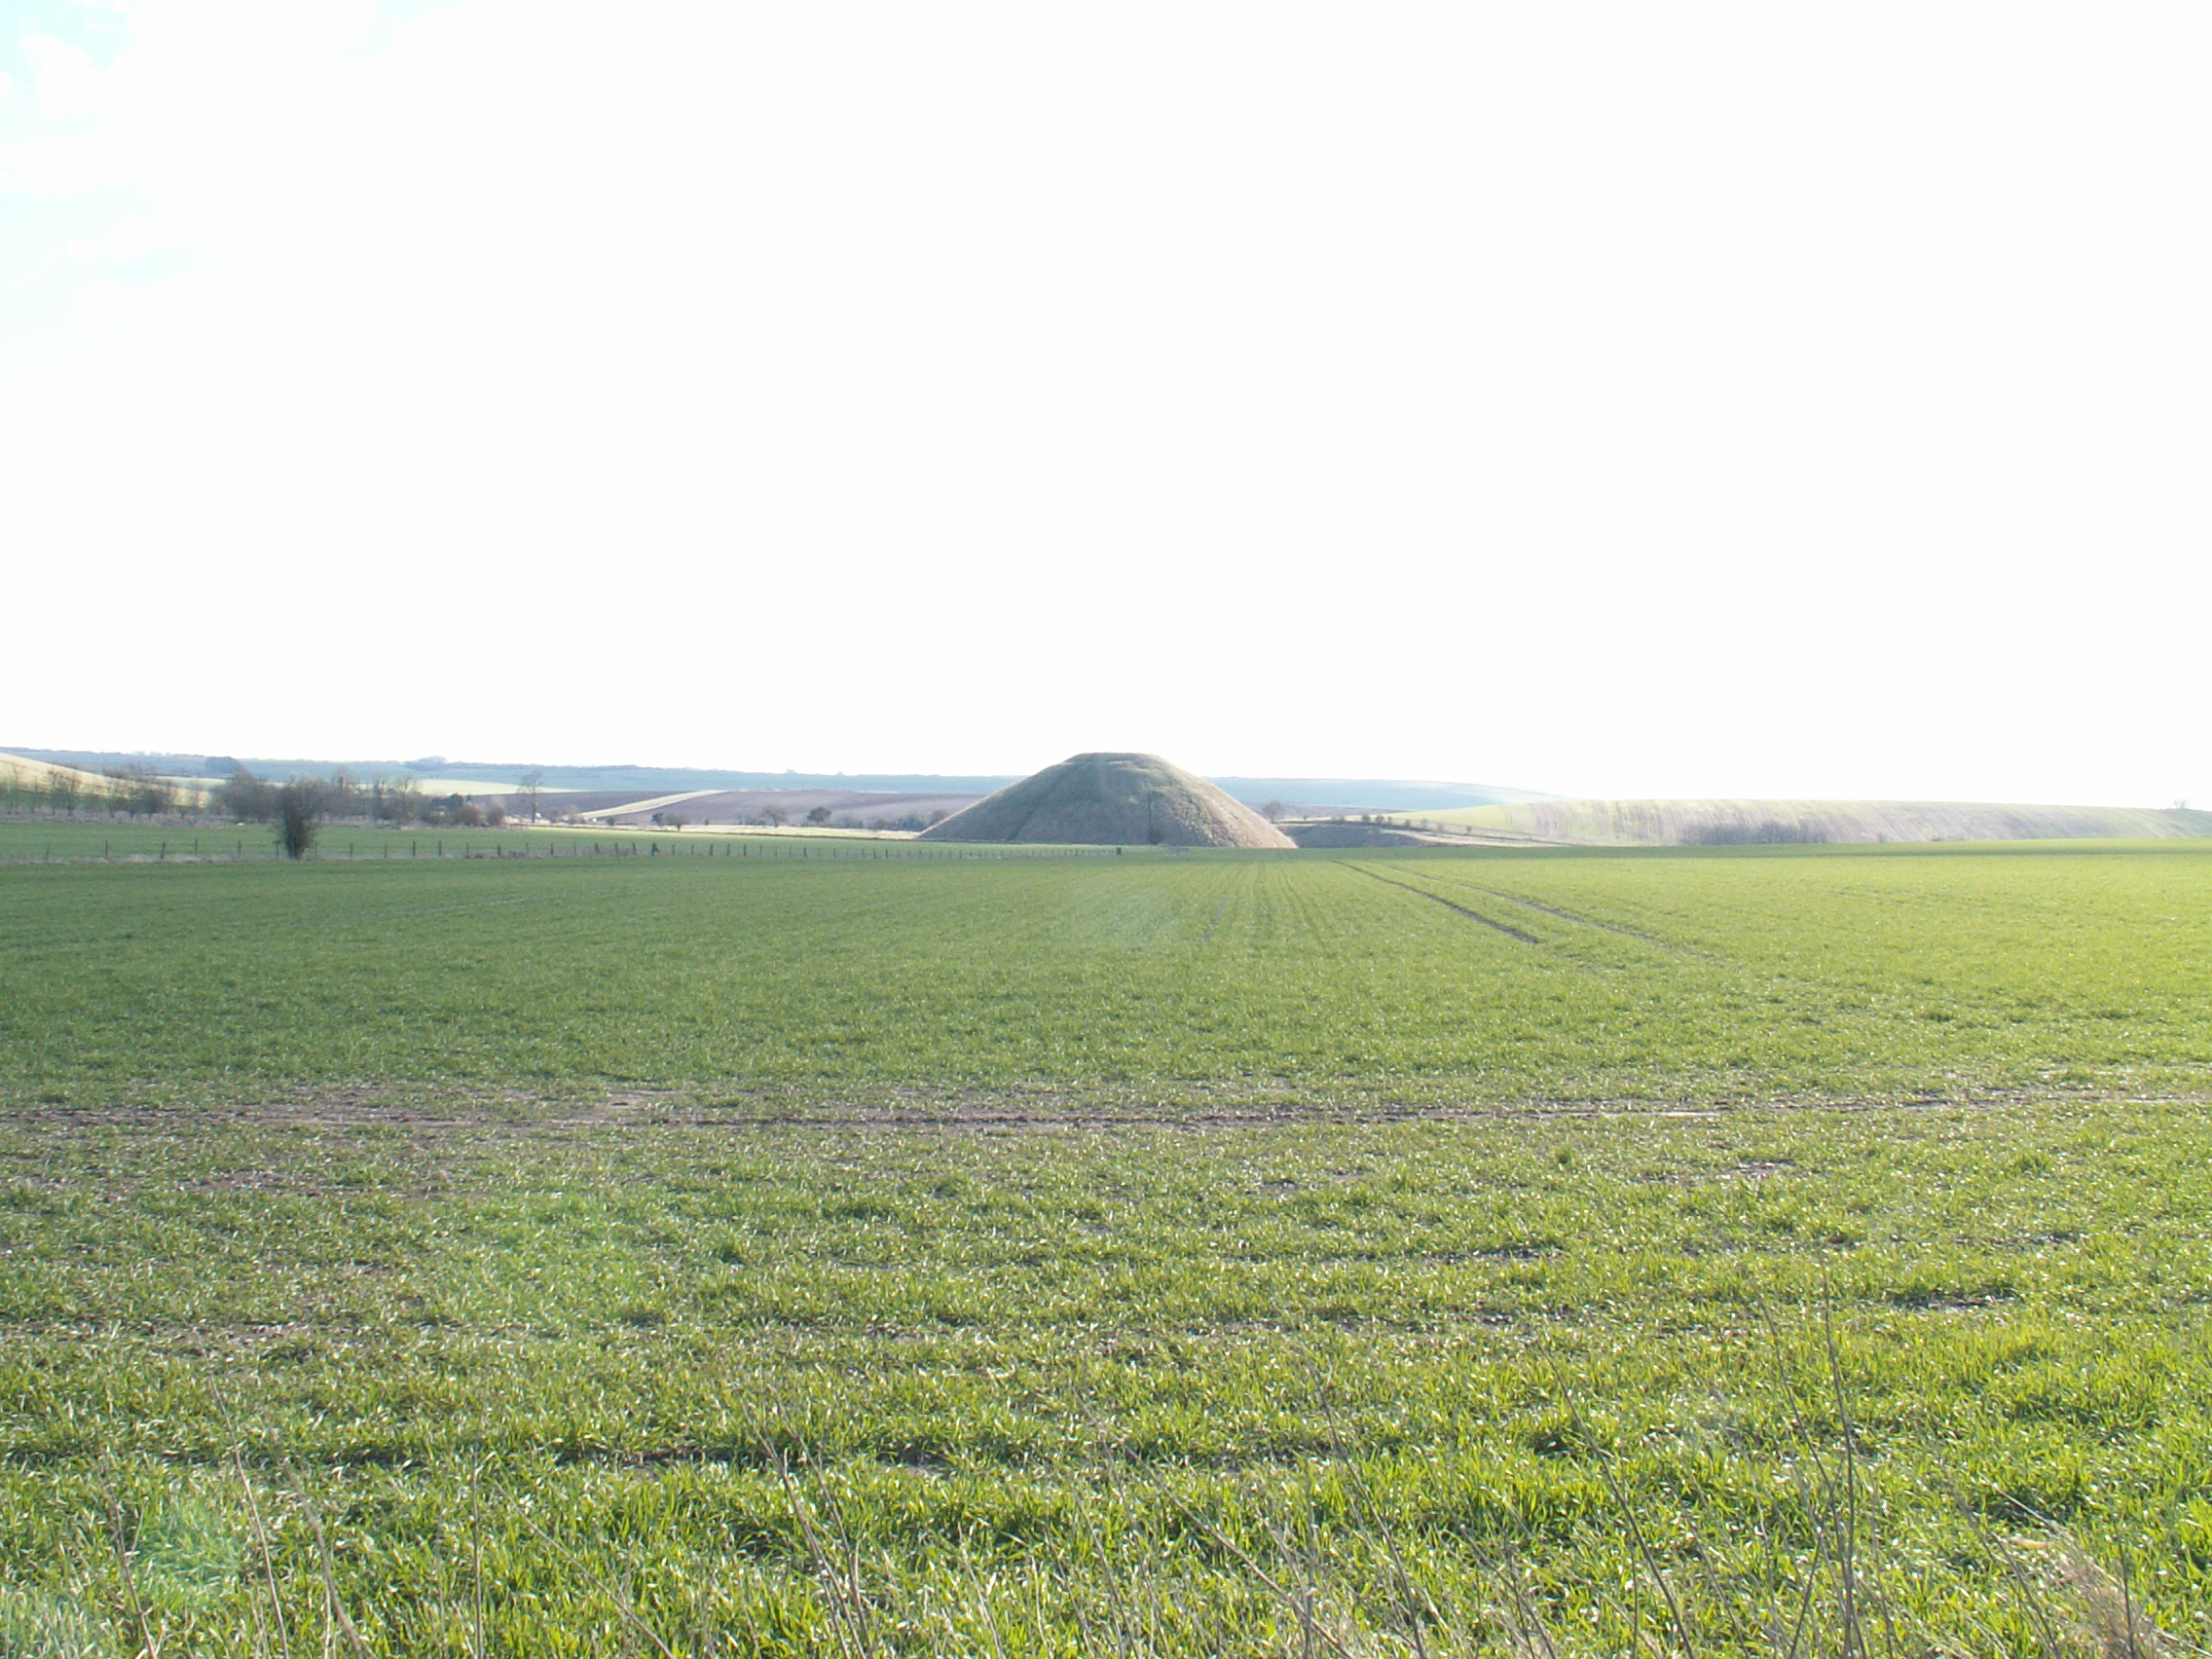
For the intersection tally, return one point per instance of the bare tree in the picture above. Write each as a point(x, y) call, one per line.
point(528, 786)
point(245, 798)
point(1272, 811)
point(819, 816)
point(61, 790)
point(137, 789)
point(774, 817)
point(401, 801)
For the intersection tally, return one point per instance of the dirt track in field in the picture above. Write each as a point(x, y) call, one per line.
point(524, 1116)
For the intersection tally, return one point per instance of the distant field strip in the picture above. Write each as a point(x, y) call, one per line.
point(1694, 823)
point(1300, 979)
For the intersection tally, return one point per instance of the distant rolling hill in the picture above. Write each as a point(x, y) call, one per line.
point(1751, 823)
point(1319, 797)
point(630, 783)
point(612, 784)
point(31, 773)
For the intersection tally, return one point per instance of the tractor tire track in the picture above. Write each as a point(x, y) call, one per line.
point(1555, 910)
point(1439, 899)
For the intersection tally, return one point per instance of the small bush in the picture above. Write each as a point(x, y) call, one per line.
point(300, 806)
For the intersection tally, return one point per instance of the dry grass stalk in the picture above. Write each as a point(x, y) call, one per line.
point(838, 1570)
point(2115, 1623)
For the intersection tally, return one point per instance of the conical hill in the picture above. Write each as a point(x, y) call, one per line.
point(1112, 800)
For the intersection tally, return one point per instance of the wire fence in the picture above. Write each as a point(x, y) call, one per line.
point(77, 841)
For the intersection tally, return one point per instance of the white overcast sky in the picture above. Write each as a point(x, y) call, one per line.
point(1636, 399)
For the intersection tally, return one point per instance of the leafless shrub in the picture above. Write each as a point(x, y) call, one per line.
point(246, 798)
point(300, 807)
point(138, 790)
point(395, 801)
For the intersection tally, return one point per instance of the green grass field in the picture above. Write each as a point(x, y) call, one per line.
point(1277, 1253)
point(1243, 980)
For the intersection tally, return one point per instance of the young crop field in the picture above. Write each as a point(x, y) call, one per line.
point(1798, 1250)
point(1233, 979)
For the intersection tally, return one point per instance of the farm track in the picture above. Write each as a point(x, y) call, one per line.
point(1556, 911)
point(424, 1128)
point(1438, 898)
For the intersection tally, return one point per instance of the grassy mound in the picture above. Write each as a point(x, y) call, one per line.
point(1112, 800)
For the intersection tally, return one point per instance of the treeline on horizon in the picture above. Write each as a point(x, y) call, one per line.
point(128, 790)
point(250, 799)
point(135, 790)
point(293, 805)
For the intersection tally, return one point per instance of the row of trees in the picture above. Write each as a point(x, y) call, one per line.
point(136, 790)
point(132, 791)
point(911, 821)
point(250, 800)
point(297, 807)
point(774, 817)
point(1768, 833)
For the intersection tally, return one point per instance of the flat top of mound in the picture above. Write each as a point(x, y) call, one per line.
point(1108, 799)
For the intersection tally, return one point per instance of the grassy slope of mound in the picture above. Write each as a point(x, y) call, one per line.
point(1703, 823)
point(1112, 800)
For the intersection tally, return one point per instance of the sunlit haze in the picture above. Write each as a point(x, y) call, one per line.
point(1612, 400)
